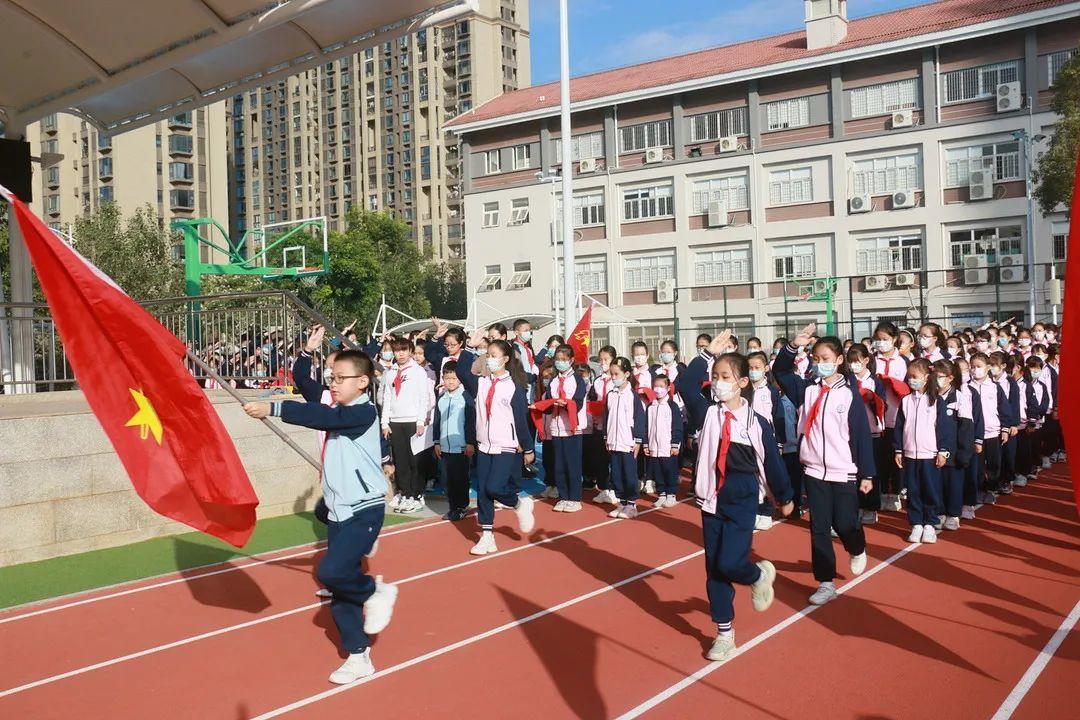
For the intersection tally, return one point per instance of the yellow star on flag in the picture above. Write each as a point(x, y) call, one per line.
point(582, 337)
point(146, 417)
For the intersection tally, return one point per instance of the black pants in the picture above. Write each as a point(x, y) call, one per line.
point(795, 474)
point(1008, 460)
point(410, 483)
point(888, 480)
point(991, 462)
point(872, 499)
point(597, 460)
point(833, 505)
point(454, 473)
point(549, 462)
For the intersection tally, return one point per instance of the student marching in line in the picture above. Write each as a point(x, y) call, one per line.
point(354, 467)
point(891, 367)
point(546, 373)
point(973, 471)
point(925, 442)
point(596, 454)
point(564, 419)
point(837, 452)
point(407, 401)
point(664, 423)
point(961, 401)
point(872, 391)
point(737, 455)
point(1001, 370)
point(766, 404)
point(503, 440)
point(1053, 448)
point(455, 440)
point(668, 367)
point(994, 404)
point(1035, 402)
point(625, 433)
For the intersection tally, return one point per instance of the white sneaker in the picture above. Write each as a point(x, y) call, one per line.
point(628, 512)
point(916, 534)
point(379, 607)
point(858, 563)
point(952, 523)
point(611, 498)
point(323, 593)
point(550, 491)
point(761, 592)
point(660, 502)
point(763, 522)
point(650, 487)
point(1046, 463)
point(395, 503)
point(408, 505)
point(358, 665)
point(420, 504)
point(929, 535)
point(616, 512)
point(524, 512)
point(572, 506)
point(1007, 489)
point(869, 517)
point(559, 506)
point(833, 533)
point(672, 501)
point(968, 512)
point(601, 497)
point(374, 549)
point(988, 498)
point(826, 591)
point(723, 647)
point(1020, 481)
point(940, 523)
point(486, 544)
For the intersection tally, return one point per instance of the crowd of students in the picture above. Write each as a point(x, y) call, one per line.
point(907, 420)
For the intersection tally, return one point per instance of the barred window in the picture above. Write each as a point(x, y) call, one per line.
point(881, 176)
point(645, 135)
point(787, 187)
point(648, 202)
point(902, 253)
point(1004, 157)
point(884, 98)
point(733, 191)
point(720, 267)
point(718, 124)
point(978, 83)
point(643, 271)
point(784, 114)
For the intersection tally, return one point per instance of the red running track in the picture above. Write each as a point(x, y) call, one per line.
point(587, 618)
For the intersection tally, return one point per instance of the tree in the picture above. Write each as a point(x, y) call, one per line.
point(444, 286)
point(1055, 170)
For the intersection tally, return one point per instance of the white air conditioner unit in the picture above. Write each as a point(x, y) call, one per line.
point(728, 144)
point(974, 262)
point(860, 204)
point(981, 184)
point(821, 287)
point(718, 216)
point(1013, 274)
point(976, 276)
point(903, 118)
point(905, 279)
point(876, 283)
point(1009, 97)
point(587, 165)
point(654, 155)
point(1013, 260)
point(903, 199)
point(665, 291)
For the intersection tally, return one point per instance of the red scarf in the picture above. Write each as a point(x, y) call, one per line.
point(812, 415)
point(722, 451)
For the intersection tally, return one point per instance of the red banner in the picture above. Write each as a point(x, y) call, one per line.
point(581, 338)
point(1069, 377)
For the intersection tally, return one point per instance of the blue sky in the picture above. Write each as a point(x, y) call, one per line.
point(612, 33)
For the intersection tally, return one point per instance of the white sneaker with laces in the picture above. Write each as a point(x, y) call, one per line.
point(650, 487)
point(763, 522)
point(524, 512)
point(379, 607)
point(952, 523)
point(572, 506)
point(858, 563)
point(826, 591)
point(916, 534)
point(356, 666)
point(616, 512)
point(761, 592)
point(600, 497)
point(672, 500)
point(395, 503)
point(1020, 481)
point(559, 506)
point(323, 593)
point(660, 502)
point(628, 512)
point(929, 535)
point(723, 647)
point(968, 512)
point(486, 544)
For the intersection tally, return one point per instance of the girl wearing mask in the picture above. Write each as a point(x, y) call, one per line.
point(664, 423)
point(958, 401)
point(994, 404)
point(563, 421)
point(625, 432)
point(872, 391)
point(906, 343)
point(931, 340)
point(766, 404)
point(1024, 343)
point(973, 471)
point(1000, 374)
point(596, 455)
point(1035, 402)
point(669, 367)
point(891, 368)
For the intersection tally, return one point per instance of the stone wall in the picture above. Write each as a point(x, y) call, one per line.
point(63, 489)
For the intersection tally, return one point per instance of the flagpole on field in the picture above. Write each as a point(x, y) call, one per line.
point(224, 385)
point(569, 289)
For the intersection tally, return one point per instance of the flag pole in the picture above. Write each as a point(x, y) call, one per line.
point(224, 384)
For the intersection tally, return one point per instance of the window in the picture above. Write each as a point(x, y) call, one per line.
point(784, 114)
point(988, 241)
point(105, 193)
point(181, 198)
point(181, 144)
point(642, 272)
point(645, 135)
point(1059, 235)
point(491, 162)
point(519, 211)
point(53, 174)
point(522, 157)
point(588, 209)
point(582, 147)
point(793, 261)
point(522, 277)
point(105, 167)
point(492, 279)
point(719, 267)
point(648, 202)
point(885, 175)
point(52, 204)
point(732, 191)
point(1004, 157)
point(787, 187)
point(902, 253)
point(591, 275)
point(182, 171)
point(978, 83)
point(1056, 61)
point(491, 214)
point(884, 98)
point(715, 125)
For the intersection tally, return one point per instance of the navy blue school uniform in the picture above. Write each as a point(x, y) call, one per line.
point(972, 471)
point(567, 448)
point(625, 426)
point(663, 461)
point(922, 478)
point(1008, 450)
point(956, 465)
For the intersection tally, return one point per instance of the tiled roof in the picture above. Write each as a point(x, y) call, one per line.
point(787, 47)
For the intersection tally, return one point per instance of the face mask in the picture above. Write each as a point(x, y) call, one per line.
point(917, 383)
point(1025, 342)
point(979, 373)
point(723, 391)
point(943, 382)
point(1040, 335)
point(618, 382)
point(1051, 337)
point(327, 373)
point(885, 346)
point(995, 371)
point(825, 369)
point(966, 377)
point(1035, 374)
point(562, 365)
point(525, 335)
point(640, 360)
point(925, 341)
point(605, 365)
point(857, 368)
point(1041, 356)
point(1003, 341)
point(388, 355)
point(982, 346)
point(667, 357)
point(495, 364)
point(661, 392)
point(757, 375)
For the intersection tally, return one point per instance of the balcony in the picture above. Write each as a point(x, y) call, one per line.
point(180, 145)
point(449, 59)
point(180, 120)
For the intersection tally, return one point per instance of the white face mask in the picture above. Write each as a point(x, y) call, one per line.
point(757, 375)
point(925, 341)
point(857, 368)
point(884, 346)
point(943, 382)
point(495, 364)
point(982, 346)
point(979, 373)
point(525, 335)
point(723, 391)
point(604, 365)
point(641, 360)
point(1025, 342)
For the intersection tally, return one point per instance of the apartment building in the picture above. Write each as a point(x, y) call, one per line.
point(368, 129)
point(177, 167)
point(874, 167)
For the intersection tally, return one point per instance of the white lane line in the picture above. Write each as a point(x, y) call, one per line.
point(1038, 665)
point(294, 611)
point(757, 640)
point(474, 639)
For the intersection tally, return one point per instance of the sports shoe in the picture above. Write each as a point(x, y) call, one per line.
point(323, 593)
point(987, 498)
point(600, 497)
point(869, 517)
point(356, 666)
point(826, 591)
point(559, 506)
point(395, 502)
point(650, 487)
point(723, 647)
point(550, 492)
point(763, 522)
point(940, 523)
point(1046, 463)
point(572, 506)
point(929, 535)
point(968, 512)
point(524, 512)
point(455, 515)
point(616, 512)
point(379, 607)
point(893, 504)
point(858, 563)
point(672, 501)
point(628, 512)
point(916, 533)
point(1006, 489)
point(661, 501)
point(486, 544)
point(952, 523)
point(761, 592)
point(1021, 481)
point(612, 497)
point(374, 549)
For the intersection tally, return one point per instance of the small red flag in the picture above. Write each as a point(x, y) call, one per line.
point(174, 447)
point(1069, 377)
point(581, 338)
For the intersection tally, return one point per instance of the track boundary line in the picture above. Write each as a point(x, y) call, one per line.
point(293, 611)
point(277, 712)
point(1027, 681)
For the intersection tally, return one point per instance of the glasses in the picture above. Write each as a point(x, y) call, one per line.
point(339, 379)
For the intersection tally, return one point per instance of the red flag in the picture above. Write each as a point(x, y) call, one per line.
point(1069, 377)
point(581, 338)
point(174, 447)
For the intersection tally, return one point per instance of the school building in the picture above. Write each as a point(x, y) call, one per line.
point(875, 168)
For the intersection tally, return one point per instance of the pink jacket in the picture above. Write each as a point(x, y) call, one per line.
point(662, 420)
point(557, 422)
point(920, 427)
point(496, 434)
point(988, 398)
point(826, 447)
point(894, 367)
point(620, 425)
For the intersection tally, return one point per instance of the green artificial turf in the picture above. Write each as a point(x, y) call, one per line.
point(33, 581)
